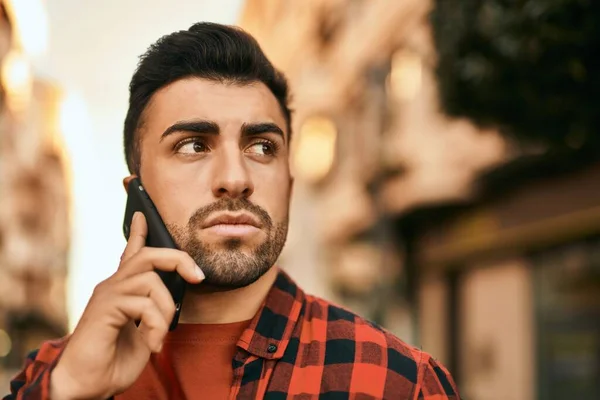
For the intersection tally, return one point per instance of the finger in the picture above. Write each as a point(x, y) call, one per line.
point(149, 284)
point(163, 259)
point(137, 236)
point(153, 326)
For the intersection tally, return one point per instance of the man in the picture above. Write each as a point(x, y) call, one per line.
point(208, 132)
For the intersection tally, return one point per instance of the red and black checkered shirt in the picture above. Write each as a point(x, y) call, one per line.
point(300, 347)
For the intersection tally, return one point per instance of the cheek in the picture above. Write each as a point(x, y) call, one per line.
point(272, 192)
point(177, 192)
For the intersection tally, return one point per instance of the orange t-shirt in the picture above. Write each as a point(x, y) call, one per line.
point(195, 362)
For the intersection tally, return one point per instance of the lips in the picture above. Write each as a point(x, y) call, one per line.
point(232, 220)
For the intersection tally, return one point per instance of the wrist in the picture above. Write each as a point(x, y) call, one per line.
point(63, 386)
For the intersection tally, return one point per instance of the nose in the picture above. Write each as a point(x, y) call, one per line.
point(232, 177)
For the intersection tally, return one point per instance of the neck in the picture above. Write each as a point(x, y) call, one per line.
point(222, 307)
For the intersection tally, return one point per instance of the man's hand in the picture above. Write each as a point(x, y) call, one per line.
point(107, 352)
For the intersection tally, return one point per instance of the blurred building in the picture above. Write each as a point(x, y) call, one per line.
point(34, 218)
point(442, 232)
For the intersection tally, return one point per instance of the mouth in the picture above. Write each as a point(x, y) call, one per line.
point(232, 225)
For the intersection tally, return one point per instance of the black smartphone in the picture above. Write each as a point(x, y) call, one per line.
point(158, 236)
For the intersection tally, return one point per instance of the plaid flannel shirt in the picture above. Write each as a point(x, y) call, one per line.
point(299, 347)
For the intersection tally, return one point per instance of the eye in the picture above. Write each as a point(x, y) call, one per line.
point(191, 146)
point(263, 148)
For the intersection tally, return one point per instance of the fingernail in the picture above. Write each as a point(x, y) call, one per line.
point(199, 273)
point(135, 216)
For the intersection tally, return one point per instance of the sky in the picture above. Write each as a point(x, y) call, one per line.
point(93, 49)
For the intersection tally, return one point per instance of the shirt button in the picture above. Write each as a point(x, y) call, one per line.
point(272, 348)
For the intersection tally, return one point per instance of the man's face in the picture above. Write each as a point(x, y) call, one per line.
point(214, 159)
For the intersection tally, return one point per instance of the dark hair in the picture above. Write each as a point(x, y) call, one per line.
point(206, 50)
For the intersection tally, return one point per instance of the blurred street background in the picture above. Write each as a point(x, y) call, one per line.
point(446, 155)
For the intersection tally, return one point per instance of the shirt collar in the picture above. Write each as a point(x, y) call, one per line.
point(270, 330)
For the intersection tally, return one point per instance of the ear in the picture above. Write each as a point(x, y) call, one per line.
point(126, 181)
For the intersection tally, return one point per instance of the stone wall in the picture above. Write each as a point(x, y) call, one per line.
point(368, 68)
point(34, 207)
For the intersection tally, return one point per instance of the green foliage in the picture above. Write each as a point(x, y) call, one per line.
point(530, 67)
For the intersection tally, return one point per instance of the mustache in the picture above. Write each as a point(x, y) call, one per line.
point(229, 204)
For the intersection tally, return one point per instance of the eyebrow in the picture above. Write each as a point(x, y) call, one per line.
point(253, 129)
point(206, 127)
point(197, 126)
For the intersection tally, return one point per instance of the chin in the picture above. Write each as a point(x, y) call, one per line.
point(232, 264)
point(220, 281)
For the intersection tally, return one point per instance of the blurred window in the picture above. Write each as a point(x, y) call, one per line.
point(567, 283)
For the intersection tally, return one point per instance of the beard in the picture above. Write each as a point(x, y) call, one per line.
point(226, 266)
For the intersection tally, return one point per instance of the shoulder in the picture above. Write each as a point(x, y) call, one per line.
point(343, 323)
point(376, 344)
point(349, 338)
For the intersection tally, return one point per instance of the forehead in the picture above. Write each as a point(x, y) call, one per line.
point(227, 104)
